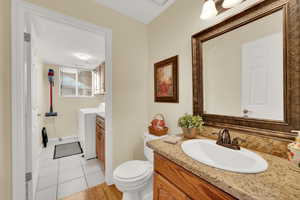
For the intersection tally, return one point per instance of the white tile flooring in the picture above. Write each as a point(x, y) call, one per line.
point(65, 176)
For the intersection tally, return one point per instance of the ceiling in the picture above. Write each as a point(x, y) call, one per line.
point(57, 43)
point(142, 10)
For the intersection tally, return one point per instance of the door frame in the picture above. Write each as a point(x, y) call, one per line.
point(18, 82)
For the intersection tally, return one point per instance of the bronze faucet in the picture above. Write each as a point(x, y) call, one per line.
point(224, 140)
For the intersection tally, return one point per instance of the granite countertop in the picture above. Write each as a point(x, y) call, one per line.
point(279, 182)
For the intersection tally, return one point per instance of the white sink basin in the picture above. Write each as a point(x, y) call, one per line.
point(208, 152)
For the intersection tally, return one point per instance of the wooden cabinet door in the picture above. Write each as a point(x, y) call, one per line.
point(100, 139)
point(164, 190)
point(195, 187)
point(97, 140)
point(102, 146)
point(98, 145)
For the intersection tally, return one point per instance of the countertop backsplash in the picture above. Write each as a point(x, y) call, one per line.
point(254, 142)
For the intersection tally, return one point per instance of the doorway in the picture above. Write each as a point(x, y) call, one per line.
point(25, 115)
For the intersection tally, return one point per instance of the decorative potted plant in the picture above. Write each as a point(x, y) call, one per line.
point(190, 125)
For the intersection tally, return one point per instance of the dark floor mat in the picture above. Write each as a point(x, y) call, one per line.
point(68, 149)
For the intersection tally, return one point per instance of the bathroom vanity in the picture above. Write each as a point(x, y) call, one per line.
point(179, 177)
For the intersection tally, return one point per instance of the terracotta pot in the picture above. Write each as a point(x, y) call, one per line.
point(189, 133)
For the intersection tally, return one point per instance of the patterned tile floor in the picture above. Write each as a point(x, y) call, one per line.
point(66, 176)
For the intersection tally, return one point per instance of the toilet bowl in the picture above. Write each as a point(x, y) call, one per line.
point(134, 178)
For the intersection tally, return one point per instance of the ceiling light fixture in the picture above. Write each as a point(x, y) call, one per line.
point(160, 2)
point(208, 10)
point(82, 56)
point(230, 3)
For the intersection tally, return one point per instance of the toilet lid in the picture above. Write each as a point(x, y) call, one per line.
point(133, 169)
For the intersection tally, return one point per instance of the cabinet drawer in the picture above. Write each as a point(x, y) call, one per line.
point(193, 186)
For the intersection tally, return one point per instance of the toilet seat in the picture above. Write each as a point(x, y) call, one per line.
point(133, 170)
point(134, 178)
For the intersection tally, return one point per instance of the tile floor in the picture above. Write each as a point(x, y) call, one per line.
point(65, 176)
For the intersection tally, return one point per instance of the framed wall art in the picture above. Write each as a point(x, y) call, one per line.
point(166, 80)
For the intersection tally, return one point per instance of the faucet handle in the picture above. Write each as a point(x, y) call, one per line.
point(237, 139)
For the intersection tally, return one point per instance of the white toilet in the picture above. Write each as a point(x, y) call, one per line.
point(134, 178)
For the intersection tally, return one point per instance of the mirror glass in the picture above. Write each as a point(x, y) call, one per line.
point(243, 70)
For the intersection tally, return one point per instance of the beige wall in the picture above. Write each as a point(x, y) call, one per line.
point(169, 35)
point(5, 129)
point(66, 123)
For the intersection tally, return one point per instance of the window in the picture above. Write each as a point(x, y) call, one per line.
point(81, 82)
point(85, 83)
point(68, 82)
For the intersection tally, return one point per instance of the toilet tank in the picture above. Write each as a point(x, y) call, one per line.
point(147, 151)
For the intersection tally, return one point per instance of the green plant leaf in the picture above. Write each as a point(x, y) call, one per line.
point(190, 121)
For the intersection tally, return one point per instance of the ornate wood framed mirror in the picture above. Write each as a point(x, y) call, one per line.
point(246, 70)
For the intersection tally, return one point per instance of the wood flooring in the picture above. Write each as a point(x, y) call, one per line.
point(100, 192)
